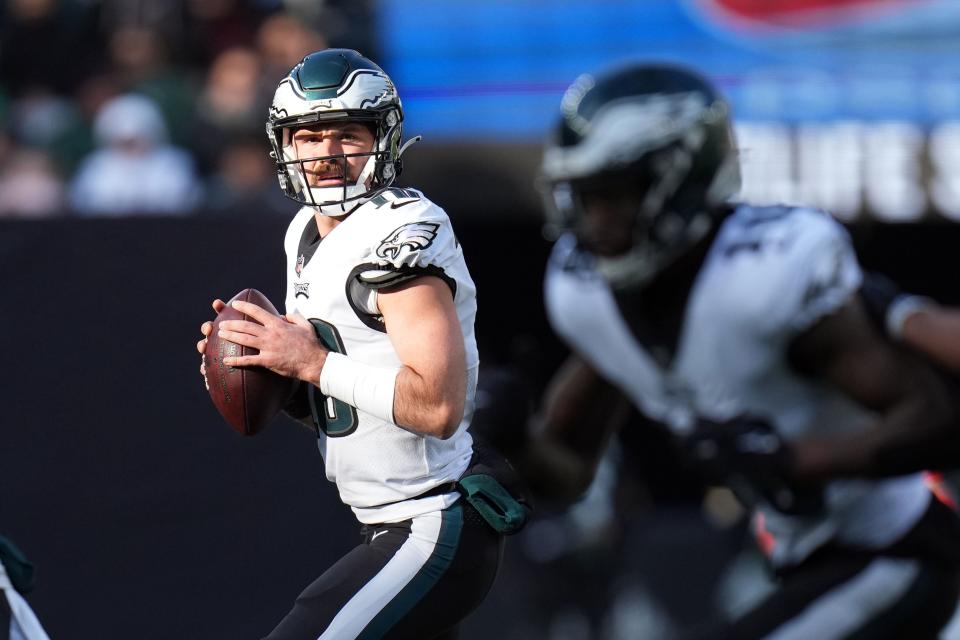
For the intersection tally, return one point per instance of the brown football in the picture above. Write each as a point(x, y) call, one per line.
point(247, 397)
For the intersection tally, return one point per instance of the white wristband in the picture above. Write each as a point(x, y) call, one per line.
point(368, 388)
point(902, 308)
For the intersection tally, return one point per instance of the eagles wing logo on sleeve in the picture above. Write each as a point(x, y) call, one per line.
point(415, 236)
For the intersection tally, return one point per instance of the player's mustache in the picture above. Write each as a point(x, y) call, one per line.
point(325, 169)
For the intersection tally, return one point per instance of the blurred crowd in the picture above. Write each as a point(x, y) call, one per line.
point(140, 107)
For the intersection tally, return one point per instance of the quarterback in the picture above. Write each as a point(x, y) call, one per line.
point(379, 327)
point(741, 329)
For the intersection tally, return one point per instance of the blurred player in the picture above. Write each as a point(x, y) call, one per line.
point(740, 329)
point(379, 329)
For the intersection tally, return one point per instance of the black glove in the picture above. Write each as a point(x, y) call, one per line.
point(749, 456)
point(878, 293)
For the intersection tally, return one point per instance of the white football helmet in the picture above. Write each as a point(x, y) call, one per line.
point(336, 85)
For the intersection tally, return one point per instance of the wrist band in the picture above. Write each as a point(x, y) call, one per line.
point(902, 308)
point(368, 388)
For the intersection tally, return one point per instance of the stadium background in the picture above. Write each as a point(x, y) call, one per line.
point(147, 517)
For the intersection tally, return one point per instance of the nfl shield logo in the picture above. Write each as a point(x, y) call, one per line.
point(300, 262)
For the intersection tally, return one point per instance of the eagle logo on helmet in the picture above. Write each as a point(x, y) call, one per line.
point(411, 237)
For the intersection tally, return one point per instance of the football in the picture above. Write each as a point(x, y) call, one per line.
point(247, 397)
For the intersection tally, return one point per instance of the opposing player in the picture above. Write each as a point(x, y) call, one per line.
point(379, 329)
point(740, 328)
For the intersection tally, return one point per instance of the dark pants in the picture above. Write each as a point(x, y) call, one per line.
point(909, 590)
point(414, 579)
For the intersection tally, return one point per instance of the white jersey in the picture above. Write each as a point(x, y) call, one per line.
point(769, 275)
point(379, 468)
point(24, 624)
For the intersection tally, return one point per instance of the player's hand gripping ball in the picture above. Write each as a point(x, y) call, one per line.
point(247, 397)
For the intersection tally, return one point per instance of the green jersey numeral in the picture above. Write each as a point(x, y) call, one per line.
point(333, 417)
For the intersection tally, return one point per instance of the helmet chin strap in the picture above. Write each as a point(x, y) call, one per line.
point(635, 268)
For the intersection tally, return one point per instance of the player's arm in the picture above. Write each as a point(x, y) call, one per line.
point(580, 413)
point(423, 326)
point(426, 395)
point(934, 331)
point(917, 425)
point(916, 321)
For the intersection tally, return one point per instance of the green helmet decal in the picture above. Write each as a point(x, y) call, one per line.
point(323, 74)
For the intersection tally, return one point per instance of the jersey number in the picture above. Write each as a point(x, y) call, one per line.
point(334, 417)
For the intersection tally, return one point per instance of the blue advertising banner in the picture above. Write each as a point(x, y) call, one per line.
point(850, 104)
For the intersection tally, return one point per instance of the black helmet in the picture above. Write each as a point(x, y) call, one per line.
point(660, 127)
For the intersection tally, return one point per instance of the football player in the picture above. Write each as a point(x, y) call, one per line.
point(379, 327)
point(740, 328)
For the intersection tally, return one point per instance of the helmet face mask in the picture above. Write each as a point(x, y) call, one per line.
point(658, 132)
point(331, 88)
